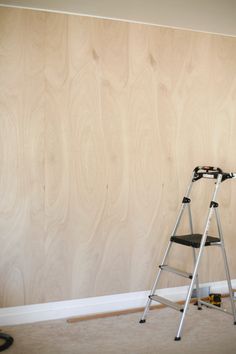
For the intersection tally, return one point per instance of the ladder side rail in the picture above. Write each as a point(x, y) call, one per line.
point(183, 206)
point(203, 240)
point(152, 292)
point(219, 226)
point(190, 218)
point(197, 280)
point(159, 271)
point(194, 258)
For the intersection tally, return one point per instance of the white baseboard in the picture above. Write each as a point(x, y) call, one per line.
point(94, 305)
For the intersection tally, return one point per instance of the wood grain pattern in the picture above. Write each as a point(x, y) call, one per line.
point(101, 124)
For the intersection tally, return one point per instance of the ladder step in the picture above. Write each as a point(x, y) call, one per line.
point(166, 302)
point(194, 240)
point(176, 271)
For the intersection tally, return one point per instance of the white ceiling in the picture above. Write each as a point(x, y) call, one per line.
point(217, 16)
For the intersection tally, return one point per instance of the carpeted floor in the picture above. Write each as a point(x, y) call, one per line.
point(206, 331)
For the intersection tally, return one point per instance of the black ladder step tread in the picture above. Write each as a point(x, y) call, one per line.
point(194, 240)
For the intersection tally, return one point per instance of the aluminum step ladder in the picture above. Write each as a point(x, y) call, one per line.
point(197, 242)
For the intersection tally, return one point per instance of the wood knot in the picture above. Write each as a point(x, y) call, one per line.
point(95, 55)
point(152, 61)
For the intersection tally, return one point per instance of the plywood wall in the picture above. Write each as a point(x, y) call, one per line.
point(101, 124)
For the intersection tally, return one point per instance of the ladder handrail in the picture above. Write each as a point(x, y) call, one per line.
point(211, 172)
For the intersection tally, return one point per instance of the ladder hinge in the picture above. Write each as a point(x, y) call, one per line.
point(214, 204)
point(186, 200)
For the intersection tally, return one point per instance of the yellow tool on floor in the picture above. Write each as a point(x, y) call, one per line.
point(215, 299)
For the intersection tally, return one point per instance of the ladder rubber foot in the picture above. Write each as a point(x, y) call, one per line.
point(177, 338)
point(199, 308)
point(8, 341)
point(235, 322)
point(142, 321)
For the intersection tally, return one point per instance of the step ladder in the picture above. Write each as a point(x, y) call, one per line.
point(197, 242)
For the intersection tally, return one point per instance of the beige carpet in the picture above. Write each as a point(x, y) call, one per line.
point(206, 331)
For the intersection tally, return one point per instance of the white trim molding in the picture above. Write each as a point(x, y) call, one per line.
point(95, 305)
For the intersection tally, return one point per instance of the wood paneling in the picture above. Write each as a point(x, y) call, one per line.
point(101, 123)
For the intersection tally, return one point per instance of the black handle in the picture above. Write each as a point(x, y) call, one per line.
point(206, 171)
